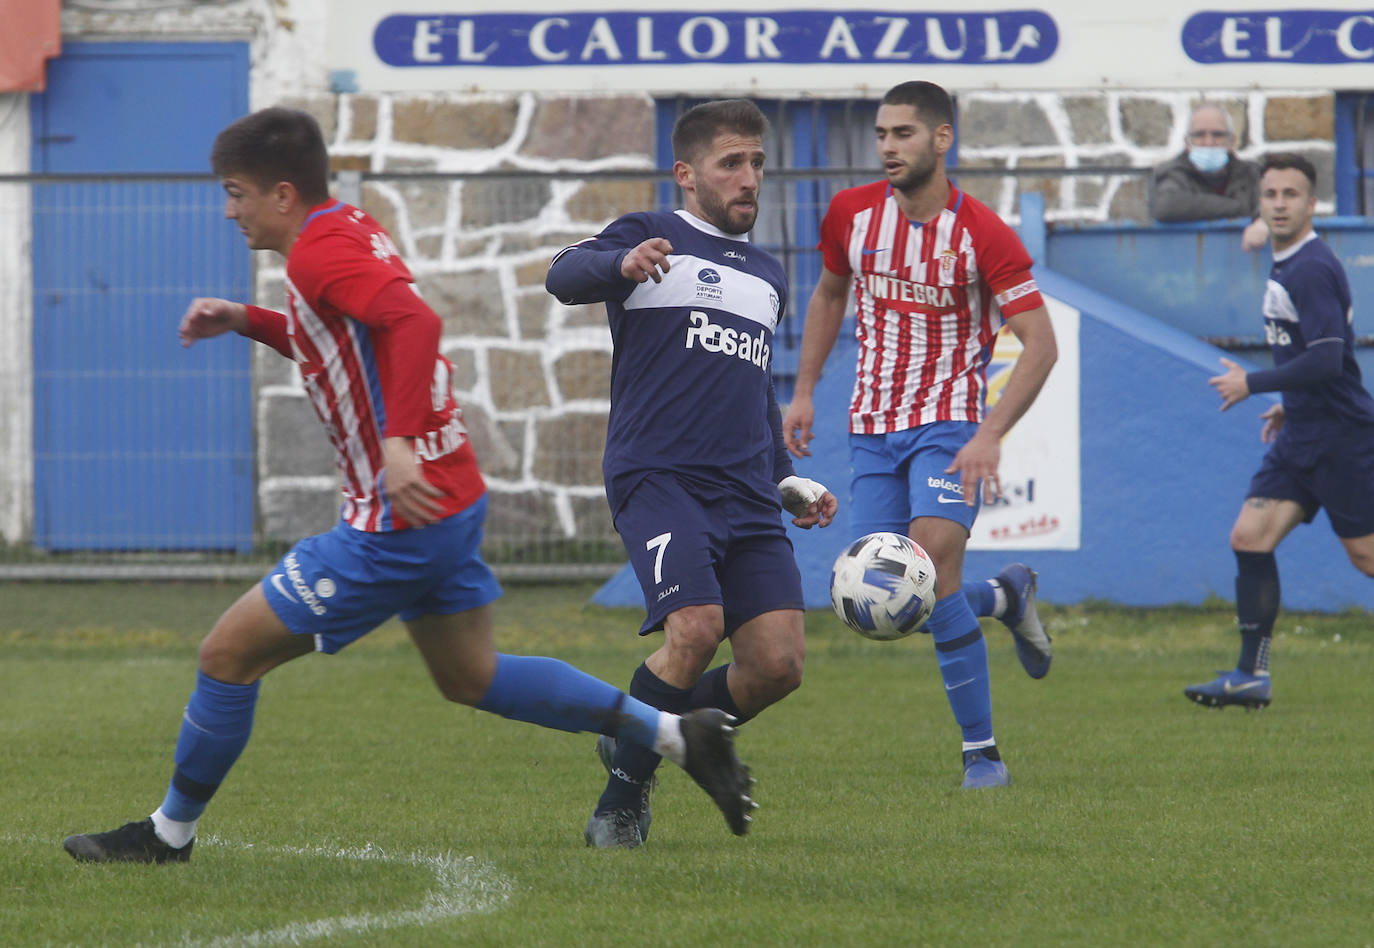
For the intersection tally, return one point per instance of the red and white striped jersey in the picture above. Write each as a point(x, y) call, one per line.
point(367, 347)
point(930, 300)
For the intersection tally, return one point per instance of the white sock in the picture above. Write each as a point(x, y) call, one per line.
point(173, 832)
point(979, 745)
point(999, 599)
point(669, 742)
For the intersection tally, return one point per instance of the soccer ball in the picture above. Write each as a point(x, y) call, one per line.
point(883, 586)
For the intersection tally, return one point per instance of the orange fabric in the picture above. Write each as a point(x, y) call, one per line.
point(32, 35)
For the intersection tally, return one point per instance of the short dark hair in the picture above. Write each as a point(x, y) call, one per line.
point(1291, 159)
point(932, 103)
point(273, 145)
point(697, 128)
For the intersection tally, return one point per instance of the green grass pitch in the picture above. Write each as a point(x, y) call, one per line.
point(366, 811)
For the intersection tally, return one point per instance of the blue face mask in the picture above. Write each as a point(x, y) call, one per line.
point(1208, 159)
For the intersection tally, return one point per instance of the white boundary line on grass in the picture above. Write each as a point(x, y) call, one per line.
point(462, 886)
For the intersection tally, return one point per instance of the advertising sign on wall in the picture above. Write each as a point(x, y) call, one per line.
point(1041, 504)
point(846, 48)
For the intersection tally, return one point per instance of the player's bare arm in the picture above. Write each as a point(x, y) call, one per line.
point(207, 317)
point(1231, 385)
point(648, 261)
point(980, 457)
point(411, 496)
point(824, 315)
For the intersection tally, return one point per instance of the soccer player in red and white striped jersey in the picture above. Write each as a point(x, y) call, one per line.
point(408, 540)
point(934, 275)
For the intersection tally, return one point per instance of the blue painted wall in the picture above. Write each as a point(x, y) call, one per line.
point(1163, 476)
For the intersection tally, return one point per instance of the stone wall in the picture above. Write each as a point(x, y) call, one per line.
point(1020, 131)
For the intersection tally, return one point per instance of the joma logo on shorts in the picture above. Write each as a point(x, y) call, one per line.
point(726, 341)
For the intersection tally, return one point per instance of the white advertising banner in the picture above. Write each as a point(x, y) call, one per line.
point(1041, 505)
point(847, 48)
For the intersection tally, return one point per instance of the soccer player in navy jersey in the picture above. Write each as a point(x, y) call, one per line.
point(1321, 434)
point(935, 274)
point(695, 469)
point(367, 347)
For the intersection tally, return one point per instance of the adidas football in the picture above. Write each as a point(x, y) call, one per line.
point(883, 586)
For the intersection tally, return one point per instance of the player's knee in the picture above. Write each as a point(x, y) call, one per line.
point(211, 659)
point(777, 675)
point(692, 644)
point(786, 676)
point(1362, 560)
point(1248, 539)
point(462, 693)
point(467, 686)
point(219, 660)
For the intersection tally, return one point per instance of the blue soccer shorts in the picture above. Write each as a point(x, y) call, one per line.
point(899, 476)
point(692, 544)
point(339, 586)
point(1335, 472)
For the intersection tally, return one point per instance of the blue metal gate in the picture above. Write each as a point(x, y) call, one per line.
point(138, 444)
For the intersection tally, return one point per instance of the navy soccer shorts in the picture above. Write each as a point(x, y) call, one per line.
point(339, 586)
point(899, 476)
point(694, 545)
point(1335, 472)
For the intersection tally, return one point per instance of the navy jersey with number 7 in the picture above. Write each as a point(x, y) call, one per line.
point(691, 383)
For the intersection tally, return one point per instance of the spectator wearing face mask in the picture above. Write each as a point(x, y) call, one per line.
point(1209, 181)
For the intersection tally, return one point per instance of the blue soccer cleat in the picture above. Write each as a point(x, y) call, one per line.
point(1236, 687)
point(982, 771)
point(1032, 643)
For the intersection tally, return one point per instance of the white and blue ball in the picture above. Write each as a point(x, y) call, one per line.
point(883, 586)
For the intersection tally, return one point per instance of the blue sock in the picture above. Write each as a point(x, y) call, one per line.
point(1257, 606)
point(712, 690)
point(982, 598)
point(963, 658)
point(633, 766)
point(214, 730)
point(554, 694)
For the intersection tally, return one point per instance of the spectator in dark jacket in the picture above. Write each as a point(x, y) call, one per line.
point(1209, 181)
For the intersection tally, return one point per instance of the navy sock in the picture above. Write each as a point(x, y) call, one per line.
point(712, 690)
point(214, 731)
point(634, 766)
point(982, 598)
point(963, 658)
point(1257, 606)
point(554, 694)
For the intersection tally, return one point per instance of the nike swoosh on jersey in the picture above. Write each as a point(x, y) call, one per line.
point(949, 500)
point(866, 252)
point(280, 586)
